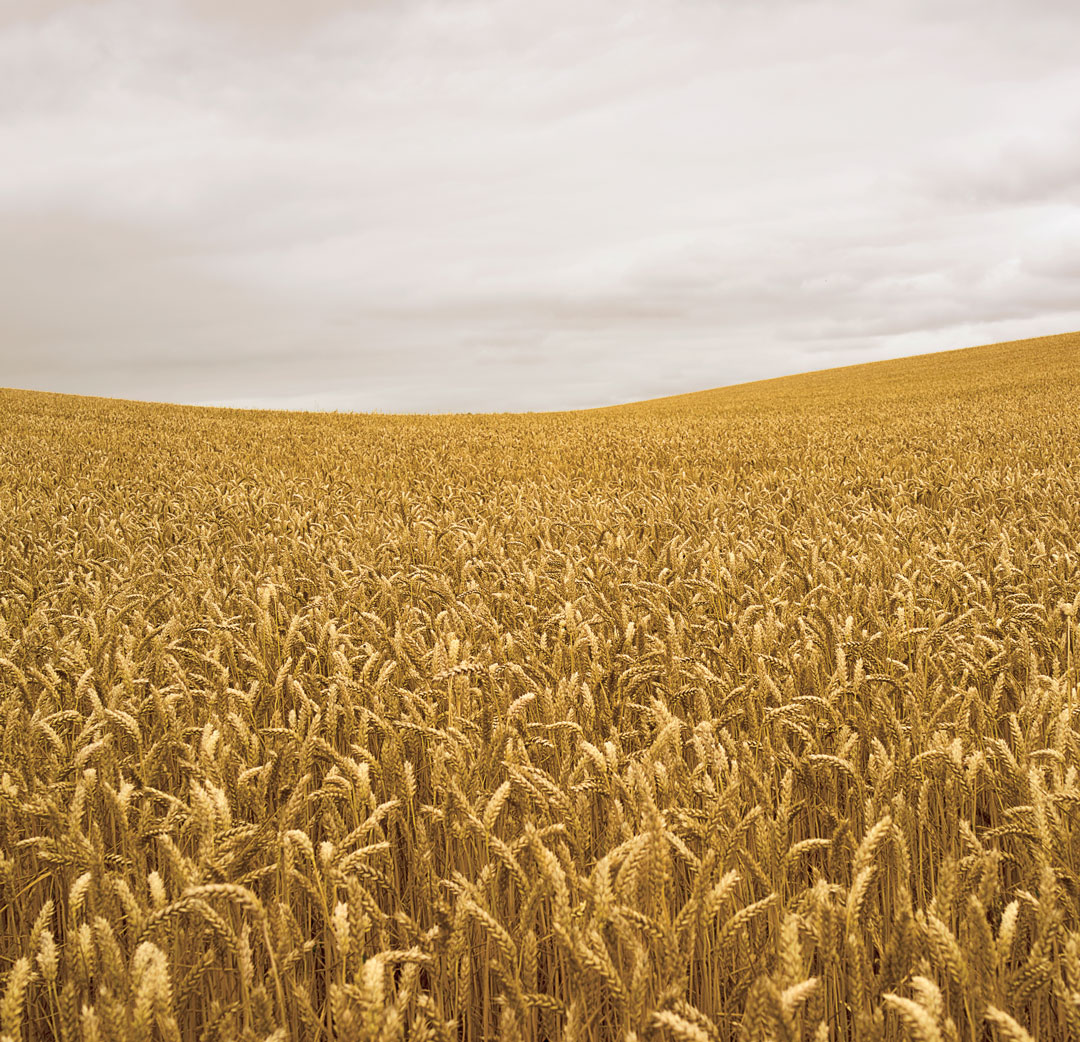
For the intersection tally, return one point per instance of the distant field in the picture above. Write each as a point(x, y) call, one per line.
point(749, 714)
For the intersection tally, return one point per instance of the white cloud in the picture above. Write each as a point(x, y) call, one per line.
point(496, 204)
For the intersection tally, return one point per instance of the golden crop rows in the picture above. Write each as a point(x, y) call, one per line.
point(743, 715)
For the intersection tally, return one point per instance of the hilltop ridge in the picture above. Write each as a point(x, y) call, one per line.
point(1014, 364)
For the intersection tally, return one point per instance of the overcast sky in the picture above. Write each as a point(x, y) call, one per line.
point(524, 204)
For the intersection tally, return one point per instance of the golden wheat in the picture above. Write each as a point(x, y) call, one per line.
point(742, 715)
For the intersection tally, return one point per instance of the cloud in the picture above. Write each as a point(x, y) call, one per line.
point(91, 301)
point(273, 15)
point(497, 204)
point(1031, 168)
point(262, 17)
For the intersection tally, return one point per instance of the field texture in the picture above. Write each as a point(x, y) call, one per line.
point(743, 715)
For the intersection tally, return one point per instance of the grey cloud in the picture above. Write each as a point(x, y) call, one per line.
point(1058, 260)
point(1026, 170)
point(273, 14)
point(21, 12)
point(259, 15)
point(85, 296)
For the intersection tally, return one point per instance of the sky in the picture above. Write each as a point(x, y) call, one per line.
point(495, 205)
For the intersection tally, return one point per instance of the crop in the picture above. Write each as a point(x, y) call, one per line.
point(743, 715)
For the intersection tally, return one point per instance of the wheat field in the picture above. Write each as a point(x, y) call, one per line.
point(742, 715)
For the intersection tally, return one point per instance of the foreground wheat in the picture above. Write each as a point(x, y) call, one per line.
point(749, 715)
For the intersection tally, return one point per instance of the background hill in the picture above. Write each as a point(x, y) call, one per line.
point(1016, 366)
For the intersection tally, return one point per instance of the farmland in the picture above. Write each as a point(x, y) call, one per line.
point(749, 714)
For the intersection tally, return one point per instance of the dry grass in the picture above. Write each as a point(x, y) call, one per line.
point(745, 715)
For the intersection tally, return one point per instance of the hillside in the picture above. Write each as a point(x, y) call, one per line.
point(746, 714)
point(1011, 367)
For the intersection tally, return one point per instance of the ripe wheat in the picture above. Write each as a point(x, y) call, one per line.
point(744, 715)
